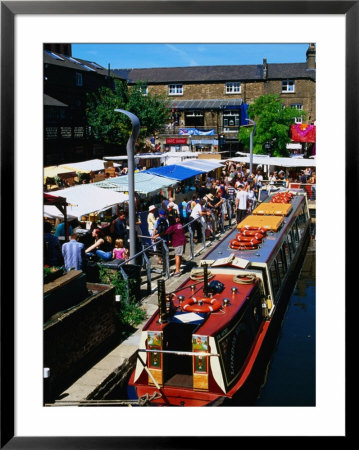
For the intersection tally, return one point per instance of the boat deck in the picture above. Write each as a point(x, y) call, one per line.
point(209, 324)
point(259, 255)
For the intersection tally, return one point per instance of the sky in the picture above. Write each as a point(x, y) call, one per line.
point(131, 56)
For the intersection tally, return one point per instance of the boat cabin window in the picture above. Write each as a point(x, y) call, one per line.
point(284, 258)
point(291, 243)
point(280, 263)
point(287, 252)
point(301, 223)
point(274, 276)
point(295, 233)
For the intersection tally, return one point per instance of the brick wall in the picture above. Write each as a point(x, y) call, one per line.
point(304, 94)
point(73, 339)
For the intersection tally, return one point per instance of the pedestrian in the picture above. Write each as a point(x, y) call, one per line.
point(52, 247)
point(196, 215)
point(252, 199)
point(164, 203)
point(60, 231)
point(119, 229)
point(102, 247)
point(183, 210)
point(151, 222)
point(175, 206)
point(178, 239)
point(259, 179)
point(119, 251)
point(241, 204)
point(160, 230)
point(171, 213)
point(74, 253)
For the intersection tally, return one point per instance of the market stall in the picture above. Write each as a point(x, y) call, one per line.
point(83, 200)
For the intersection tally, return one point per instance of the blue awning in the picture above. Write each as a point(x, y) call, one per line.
point(175, 172)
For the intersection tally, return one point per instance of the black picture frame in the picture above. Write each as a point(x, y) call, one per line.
point(9, 10)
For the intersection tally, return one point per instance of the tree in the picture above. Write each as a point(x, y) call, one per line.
point(114, 128)
point(273, 123)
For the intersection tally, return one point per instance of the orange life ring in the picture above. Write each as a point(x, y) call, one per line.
point(237, 245)
point(201, 305)
point(261, 232)
point(252, 228)
point(251, 239)
point(244, 237)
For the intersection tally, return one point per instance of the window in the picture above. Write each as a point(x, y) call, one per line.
point(299, 107)
point(284, 258)
point(175, 89)
point(230, 121)
point(144, 89)
point(274, 275)
point(281, 268)
point(79, 80)
point(287, 253)
point(288, 86)
point(233, 87)
point(194, 119)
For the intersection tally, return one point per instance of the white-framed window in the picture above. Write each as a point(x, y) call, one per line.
point(144, 89)
point(175, 89)
point(288, 86)
point(79, 80)
point(299, 107)
point(233, 87)
point(231, 121)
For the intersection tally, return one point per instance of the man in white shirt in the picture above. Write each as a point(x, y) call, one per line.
point(198, 212)
point(174, 206)
point(241, 204)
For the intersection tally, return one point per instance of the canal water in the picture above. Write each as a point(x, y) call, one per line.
point(290, 379)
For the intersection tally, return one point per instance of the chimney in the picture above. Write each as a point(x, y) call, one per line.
point(311, 57)
point(265, 69)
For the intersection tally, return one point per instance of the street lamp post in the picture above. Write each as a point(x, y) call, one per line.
point(130, 148)
point(252, 122)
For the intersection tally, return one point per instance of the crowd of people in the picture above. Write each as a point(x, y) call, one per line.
point(236, 189)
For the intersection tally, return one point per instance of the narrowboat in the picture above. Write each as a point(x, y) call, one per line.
point(203, 342)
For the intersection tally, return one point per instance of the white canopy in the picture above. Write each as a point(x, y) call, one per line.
point(273, 161)
point(84, 199)
point(93, 165)
point(206, 165)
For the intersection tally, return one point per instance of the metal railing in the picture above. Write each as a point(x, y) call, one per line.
point(310, 188)
point(217, 226)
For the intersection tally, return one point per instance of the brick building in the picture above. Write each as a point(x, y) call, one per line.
point(67, 80)
point(208, 103)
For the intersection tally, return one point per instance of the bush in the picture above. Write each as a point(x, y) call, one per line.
point(129, 314)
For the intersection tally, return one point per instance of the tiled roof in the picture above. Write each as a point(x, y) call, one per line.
point(50, 101)
point(215, 73)
point(205, 104)
point(71, 62)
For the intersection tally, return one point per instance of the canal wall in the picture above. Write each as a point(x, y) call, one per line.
point(73, 338)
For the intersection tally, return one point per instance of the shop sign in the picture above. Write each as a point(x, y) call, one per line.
point(176, 141)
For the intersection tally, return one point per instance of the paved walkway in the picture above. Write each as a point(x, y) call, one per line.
point(116, 365)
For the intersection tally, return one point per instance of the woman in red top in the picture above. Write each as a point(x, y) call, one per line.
point(178, 239)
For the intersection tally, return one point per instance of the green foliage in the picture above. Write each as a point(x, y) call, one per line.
point(130, 314)
point(272, 124)
point(114, 128)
